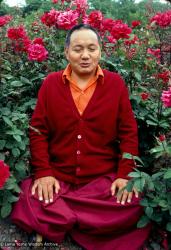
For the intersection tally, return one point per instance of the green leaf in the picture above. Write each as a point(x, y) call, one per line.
point(10, 184)
point(12, 198)
point(144, 202)
point(7, 121)
point(149, 211)
point(127, 156)
point(25, 80)
point(134, 174)
point(143, 221)
point(167, 175)
point(157, 175)
point(15, 152)
point(152, 123)
point(2, 144)
point(6, 209)
point(138, 76)
point(129, 186)
point(163, 203)
point(17, 188)
point(2, 156)
point(139, 184)
point(16, 84)
point(17, 138)
point(168, 226)
point(138, 159)
point(20, 166)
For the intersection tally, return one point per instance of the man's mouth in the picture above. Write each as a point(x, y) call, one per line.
point(84, 65)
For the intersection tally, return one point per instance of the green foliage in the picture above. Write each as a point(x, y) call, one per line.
point(155, 190)
point(20, 80)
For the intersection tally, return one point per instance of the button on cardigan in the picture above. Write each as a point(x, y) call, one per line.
point(78, 148)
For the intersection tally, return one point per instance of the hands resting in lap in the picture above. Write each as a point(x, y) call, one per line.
point(47, 185)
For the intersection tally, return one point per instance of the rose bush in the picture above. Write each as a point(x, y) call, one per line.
point(31, 48)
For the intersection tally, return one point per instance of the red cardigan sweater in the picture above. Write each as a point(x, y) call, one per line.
point(76, 148)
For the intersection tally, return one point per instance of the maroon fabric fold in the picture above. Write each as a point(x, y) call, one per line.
point(87, 212)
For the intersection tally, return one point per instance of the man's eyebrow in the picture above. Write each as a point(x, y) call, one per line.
point(77, 45)
point(92, 45)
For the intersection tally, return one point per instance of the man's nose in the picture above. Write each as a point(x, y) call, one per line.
point(85, 54)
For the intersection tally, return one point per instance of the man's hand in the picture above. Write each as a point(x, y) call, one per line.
point(122, 195)
point(45, 186)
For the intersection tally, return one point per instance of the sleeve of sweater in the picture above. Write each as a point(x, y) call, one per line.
point(39, 136)
point(127, 134)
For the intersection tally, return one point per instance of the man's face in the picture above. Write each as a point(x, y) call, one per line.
point(83, 52)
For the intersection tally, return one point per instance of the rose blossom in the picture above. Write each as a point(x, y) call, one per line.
point(162, 138)
point(67, 19)
point(164, 76)
point(132, 41)
point(4, 173)
point(50, 18)
point(95, 19)
point(166, 98)
point(22, 44)
point(54, 1)
point(120, 30)
point(144, 96)
point(107, 24)
point(111, 39)
point(162, 19)
point(38, 40)
point(37, 52)
point(81, 4)
point(154, 52)
point(135, 23)
point(5, 19)
point(16, 33)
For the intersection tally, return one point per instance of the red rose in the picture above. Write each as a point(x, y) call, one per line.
point(50, 18)
point(132, 41)
point(37, 52)
point(162, 138)
point(5, 19)
point(162, 19)
point(144, 96)
point(38, 40)
point(164, 76)
point(16, 33)
point(4, 173)
point(95, 19)
point(22, 44)
point(54, 1)
point(107, 24)
point(135, 23)
point(120, 30)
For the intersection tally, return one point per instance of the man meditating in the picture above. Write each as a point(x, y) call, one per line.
point(81, 126)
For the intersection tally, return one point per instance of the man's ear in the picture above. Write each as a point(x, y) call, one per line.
point(66, 52)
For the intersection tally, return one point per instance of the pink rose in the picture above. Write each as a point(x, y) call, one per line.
point(67, 19)
point(166, 98)
point(37, 52)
